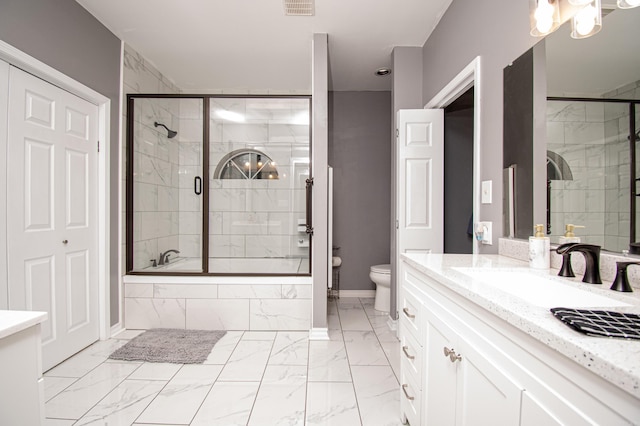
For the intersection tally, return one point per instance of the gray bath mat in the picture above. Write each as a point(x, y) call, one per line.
point(170, 345)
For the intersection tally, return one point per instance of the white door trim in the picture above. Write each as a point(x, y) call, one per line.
point(469, 76)
point(33, 66)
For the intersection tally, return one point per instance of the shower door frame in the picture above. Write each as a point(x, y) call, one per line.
point(129, 198)
point(633, 128)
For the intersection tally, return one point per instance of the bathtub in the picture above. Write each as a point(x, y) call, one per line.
point(220, 302)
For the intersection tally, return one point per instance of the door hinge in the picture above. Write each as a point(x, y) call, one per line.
point(397, 133)
point(397, 224)
point(309, 182)
point(98, 146)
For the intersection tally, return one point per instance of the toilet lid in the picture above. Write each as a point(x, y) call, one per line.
point(382, 269)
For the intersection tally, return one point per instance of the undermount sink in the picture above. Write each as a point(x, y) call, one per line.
point(539, 290)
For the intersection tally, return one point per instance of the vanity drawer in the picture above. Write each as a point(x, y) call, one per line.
point(411, 354)
point(411, 314)
point(410, 399)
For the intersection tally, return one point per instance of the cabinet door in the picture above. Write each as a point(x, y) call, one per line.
point(440, 384)
point(486, 394)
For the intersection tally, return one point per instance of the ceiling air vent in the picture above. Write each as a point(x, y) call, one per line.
point(298, 7)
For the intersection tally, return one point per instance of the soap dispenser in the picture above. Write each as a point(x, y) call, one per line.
point(569, 236)
point(539, 249)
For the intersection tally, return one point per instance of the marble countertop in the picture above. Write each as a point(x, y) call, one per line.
point(615, 360)
point(12, 322)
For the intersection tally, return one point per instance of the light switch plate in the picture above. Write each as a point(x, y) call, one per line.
point(486, 192)
point(487, 237)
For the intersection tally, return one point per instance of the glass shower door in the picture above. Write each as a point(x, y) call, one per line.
point(165, 185)
point(259, 162)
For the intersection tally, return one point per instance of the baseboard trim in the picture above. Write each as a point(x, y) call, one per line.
point(393, 324)
point(319, 334)
point(357, 293)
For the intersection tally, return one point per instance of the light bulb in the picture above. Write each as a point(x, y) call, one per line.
point(247, 164)
point(586, 20)
point(544, 16)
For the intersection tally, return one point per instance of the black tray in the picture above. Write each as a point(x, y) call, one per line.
point(600, 323)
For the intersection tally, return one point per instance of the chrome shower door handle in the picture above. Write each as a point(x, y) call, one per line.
point(197, 185)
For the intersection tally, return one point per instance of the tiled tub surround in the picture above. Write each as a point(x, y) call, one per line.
point(218, 303)
point(615, 360)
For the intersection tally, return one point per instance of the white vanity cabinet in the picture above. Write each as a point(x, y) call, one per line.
point(476, 369)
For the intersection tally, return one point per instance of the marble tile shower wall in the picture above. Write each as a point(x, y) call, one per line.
point(575, 130)
point(156, 182)
point(618, 163)
point(258, 218)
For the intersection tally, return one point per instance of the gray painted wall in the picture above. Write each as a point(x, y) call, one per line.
point(359, 152)
point(498, 32)
point(63, 35)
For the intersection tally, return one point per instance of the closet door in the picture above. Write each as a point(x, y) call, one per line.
point(4, 101)
point(52, 212)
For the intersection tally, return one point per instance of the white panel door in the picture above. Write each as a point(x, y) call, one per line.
point(420, 181)
point(52, 212)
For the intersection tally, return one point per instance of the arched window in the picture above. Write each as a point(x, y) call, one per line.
point(246, 164)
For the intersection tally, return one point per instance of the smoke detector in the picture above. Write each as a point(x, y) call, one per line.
point(298, 7)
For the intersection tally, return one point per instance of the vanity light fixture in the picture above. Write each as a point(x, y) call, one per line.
point(587, 21)
point(546, 17)
point(628, 4)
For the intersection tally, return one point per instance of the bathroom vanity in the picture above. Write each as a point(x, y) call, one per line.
point(479, 346)
point(21, 382)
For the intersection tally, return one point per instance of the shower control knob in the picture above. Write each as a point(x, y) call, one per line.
point(65, 241)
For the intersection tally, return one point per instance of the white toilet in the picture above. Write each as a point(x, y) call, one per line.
point(381, 276)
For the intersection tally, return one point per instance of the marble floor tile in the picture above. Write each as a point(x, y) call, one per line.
point(328, 362)
point(353, 316)
point(285, 374)
point(55, 385)
point(77, 399)
point(247, 362)
point(290, 348)
point(279, 404)
point(58, 422)
point(128, 334)
point(378, 395)
point(259, 335)
point(228, 403)
point(86, 360)
point(333, 322)
point(180, 399)
point(123, 404)
point(363, 348)
point(155, 371)
point(224, 348)
point(331, 404)
point(392, 351)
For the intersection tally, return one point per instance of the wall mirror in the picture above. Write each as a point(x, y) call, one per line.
point(587, 120)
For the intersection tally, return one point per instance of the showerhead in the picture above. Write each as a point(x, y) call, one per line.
point(170, 133)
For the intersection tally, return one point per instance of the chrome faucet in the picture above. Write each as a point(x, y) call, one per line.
point(592, 261)
point(164, 257)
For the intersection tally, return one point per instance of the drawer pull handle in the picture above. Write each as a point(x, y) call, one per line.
point(451, 353)
point(406, 312)
point(404, 389)
point(404, 349)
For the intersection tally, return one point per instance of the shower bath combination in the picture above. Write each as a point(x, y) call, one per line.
point(170, 133)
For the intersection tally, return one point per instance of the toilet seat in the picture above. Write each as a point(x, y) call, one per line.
point(382, 269)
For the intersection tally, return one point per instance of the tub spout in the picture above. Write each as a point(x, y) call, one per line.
point(164, 257)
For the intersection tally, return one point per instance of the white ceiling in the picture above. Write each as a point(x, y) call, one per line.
point(250, 45)
point(593, 66)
